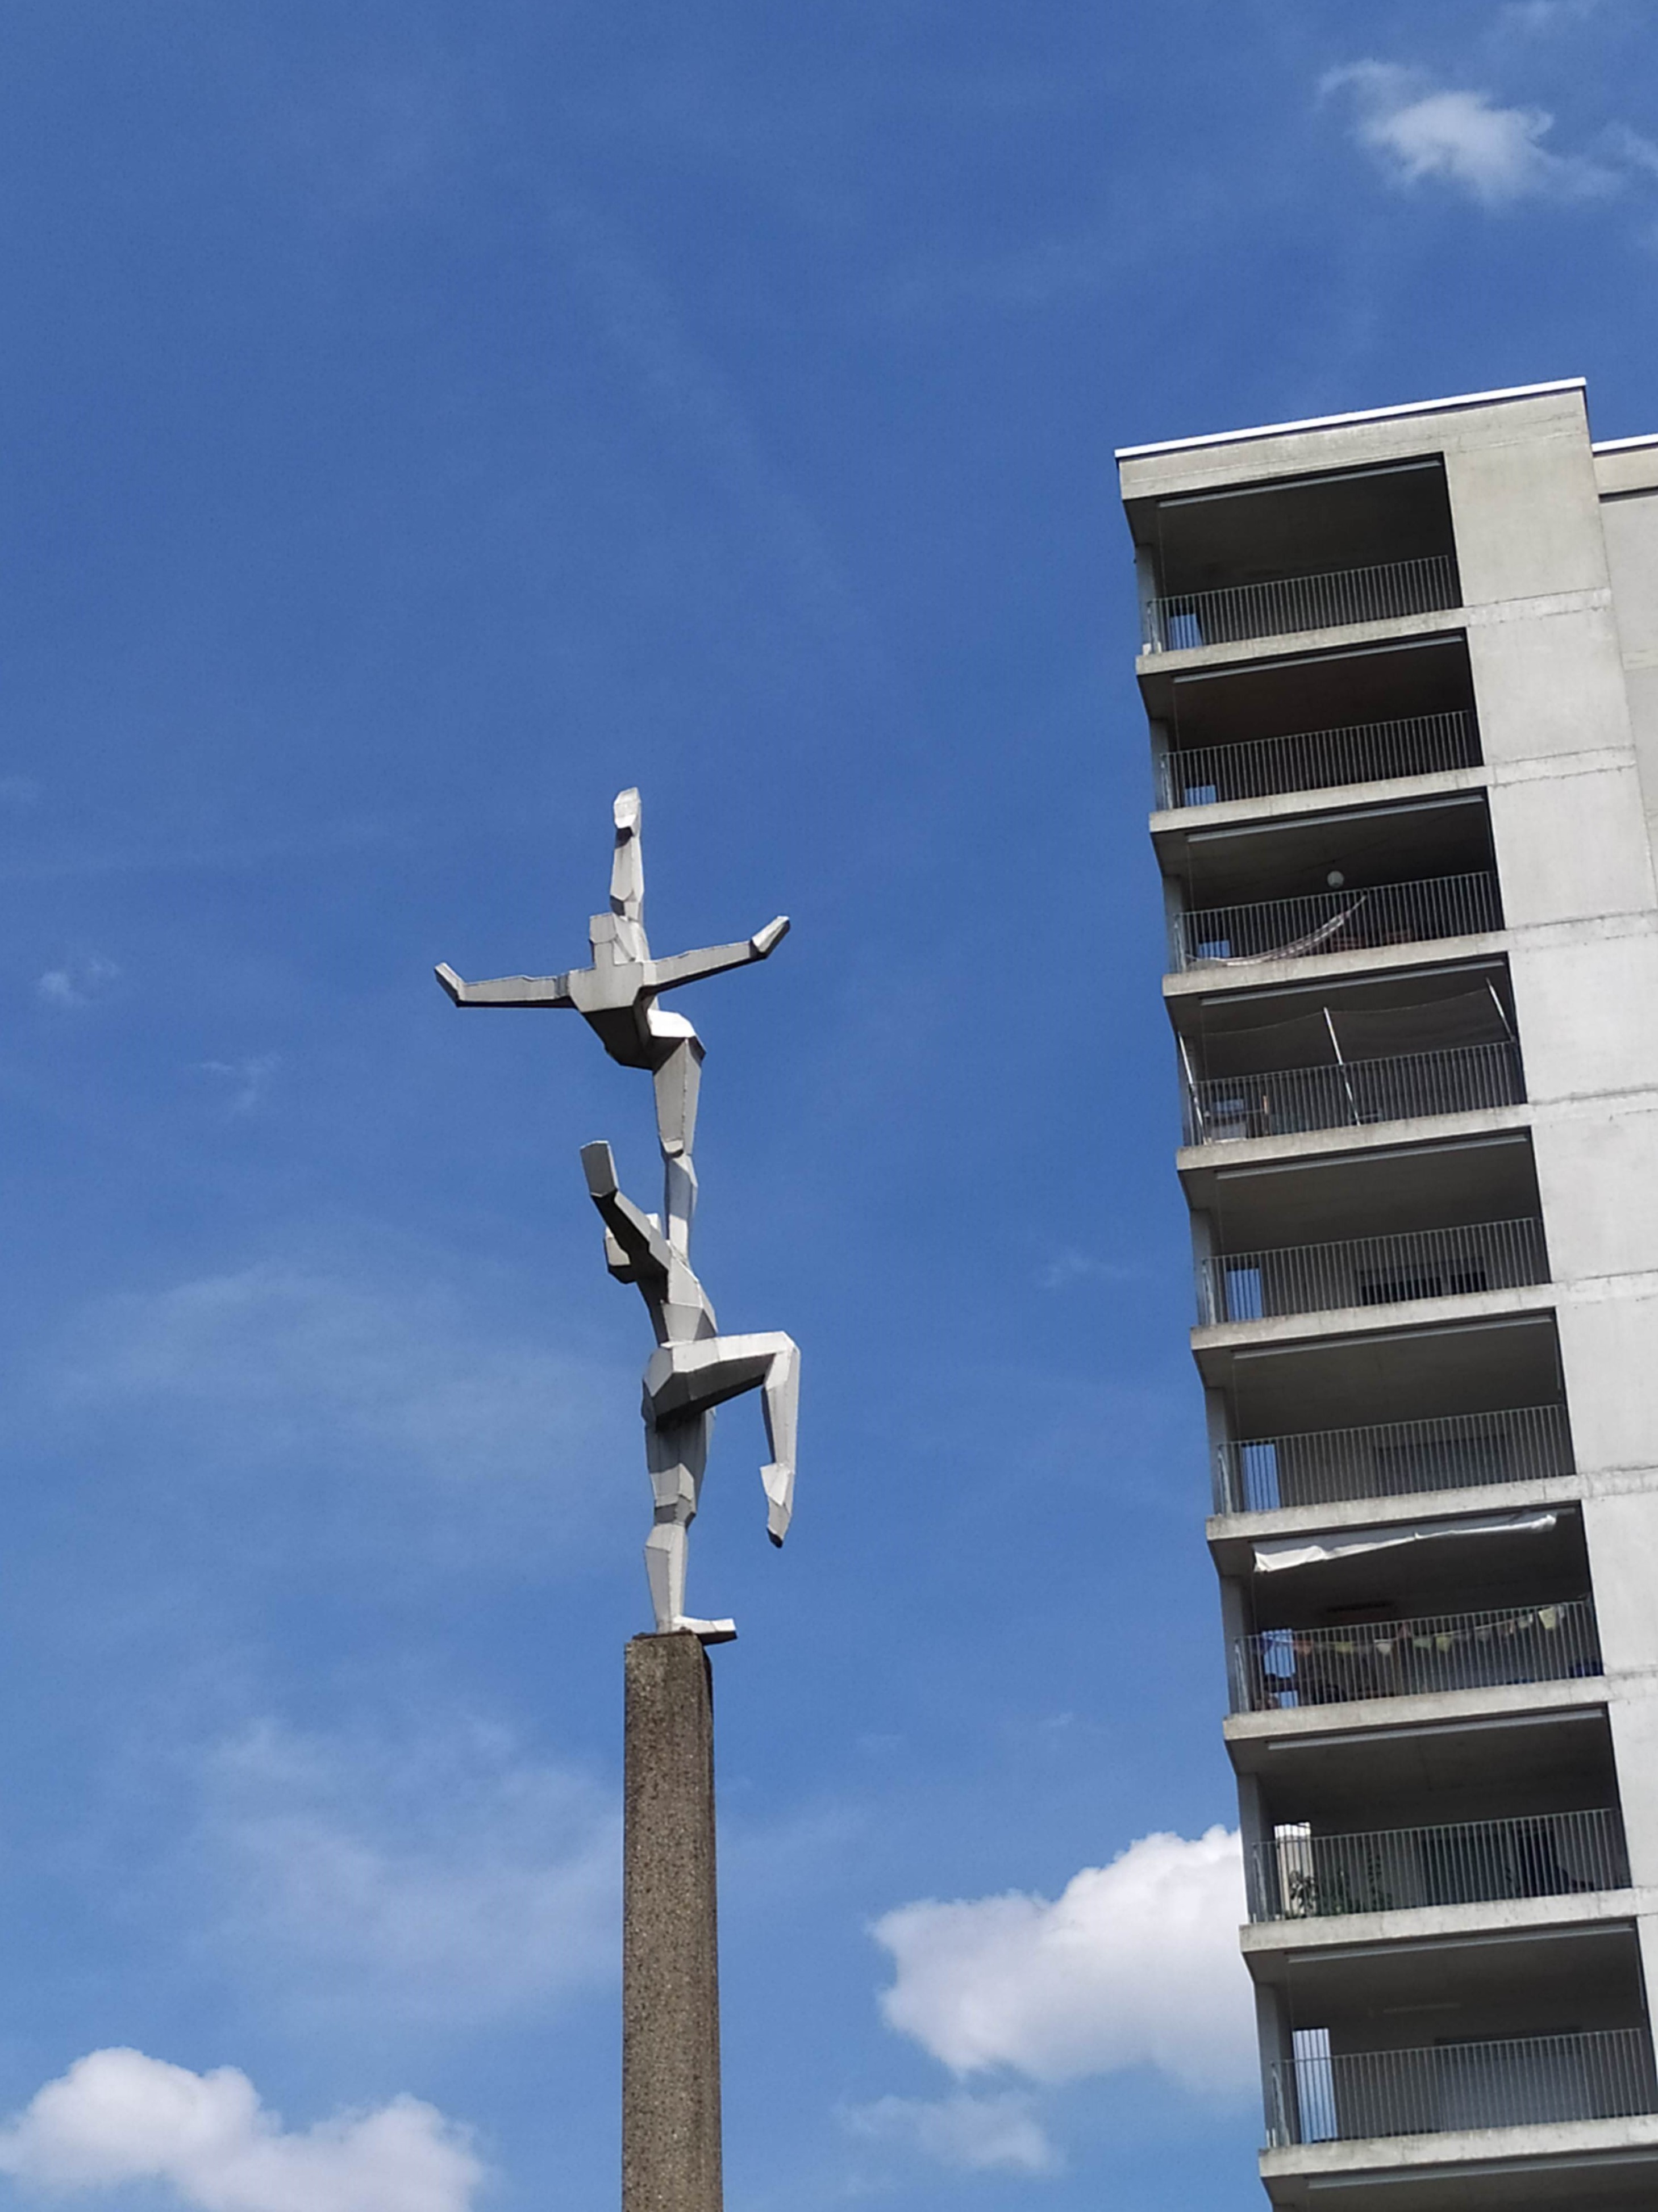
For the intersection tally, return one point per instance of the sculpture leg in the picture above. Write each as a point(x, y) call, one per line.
point(781, 1401)
point(697, 1377)
point(676, 1452)
point(678, 1079)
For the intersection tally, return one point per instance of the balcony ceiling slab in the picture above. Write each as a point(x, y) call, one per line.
point(1566, 2166)
point(1212, 1347)
point(1332, 966)
point(1273, 1949)
point(1153, 670)
point(1253, 1739)
point(1173, 827)
point(1199, 1165)
point(1233, 1536)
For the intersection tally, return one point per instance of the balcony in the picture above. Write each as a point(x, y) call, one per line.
point(1288, 1101)
point(1340, 920)
point(1393, 1459)
point(1317, 760)
point(1181, 621)
point(1302, 1876)
point(1520, 2081)
point(1283, 1669)
point(1371, 1271)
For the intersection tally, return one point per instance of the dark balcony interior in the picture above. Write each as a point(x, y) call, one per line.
point(1428, 1777)
point(1301, 526)
point(1315, 722)
point(1413, 842)
point(1377, 1194)
point(1518, 1567)
point(1418, 1374)
point(1348, 1055)
point(1403, 1996)
point(1323, 1024)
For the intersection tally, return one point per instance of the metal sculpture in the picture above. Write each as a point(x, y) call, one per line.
point(694, 1368)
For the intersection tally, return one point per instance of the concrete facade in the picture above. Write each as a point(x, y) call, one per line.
point(1401, 673)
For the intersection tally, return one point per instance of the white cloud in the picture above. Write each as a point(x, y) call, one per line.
point(1530, 18)
point(1134, 1964)
point(446, 1877)
point(249, 1079)
point(1071, 1265)
point(117, 2117)
point(78, 981)
point(978, 2133)
point(1631, 148)
point(1464, 138)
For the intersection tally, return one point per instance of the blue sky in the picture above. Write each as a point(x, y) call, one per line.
point(419, 422)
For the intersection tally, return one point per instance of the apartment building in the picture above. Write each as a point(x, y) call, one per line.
point(1401, 673)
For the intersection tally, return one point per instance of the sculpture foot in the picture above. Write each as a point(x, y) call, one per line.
point(779, 1484)
point(706, 1631)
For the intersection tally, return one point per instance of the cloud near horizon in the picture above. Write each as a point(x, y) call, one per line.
point(117, 2117)
point(1134, 1964)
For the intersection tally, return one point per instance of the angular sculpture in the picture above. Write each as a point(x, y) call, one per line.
point(694, 1368)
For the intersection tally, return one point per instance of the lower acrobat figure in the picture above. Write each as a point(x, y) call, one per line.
point(693, 1370)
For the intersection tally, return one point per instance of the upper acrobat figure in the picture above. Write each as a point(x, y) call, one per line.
point(616, 997)
point(618, 993)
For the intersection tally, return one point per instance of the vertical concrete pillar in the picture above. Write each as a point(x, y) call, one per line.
point(670, 1974)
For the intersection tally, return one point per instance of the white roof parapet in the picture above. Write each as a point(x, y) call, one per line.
point(1625, 445)
point(1366, 414)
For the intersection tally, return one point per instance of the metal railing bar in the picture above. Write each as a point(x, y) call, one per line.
point(1387, 591)
point(1393, 1459)
point(1518, 2081)
point(1302, 1876)
point(1283, 1669)
point(1371, 1271)
point(1317, 760)
point(1353, 1094)
point(1350, 920)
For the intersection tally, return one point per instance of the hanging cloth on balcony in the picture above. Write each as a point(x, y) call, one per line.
point(1296, 948)
point(1428, 1025)
point(1273, 1557)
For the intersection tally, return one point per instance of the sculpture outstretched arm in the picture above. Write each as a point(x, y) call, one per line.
point(505, 990)
point(643, 1248)
point(692, 966)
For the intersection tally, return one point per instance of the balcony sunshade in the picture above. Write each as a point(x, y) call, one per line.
point(1307, 1551)
point(1304, 1040)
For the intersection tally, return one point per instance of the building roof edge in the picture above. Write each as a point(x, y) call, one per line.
point(1625, 445)
point(1366, 415)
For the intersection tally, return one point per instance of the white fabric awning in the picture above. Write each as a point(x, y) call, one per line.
point(1273, 1557)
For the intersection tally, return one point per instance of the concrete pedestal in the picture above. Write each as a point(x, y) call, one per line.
point(670, 1974)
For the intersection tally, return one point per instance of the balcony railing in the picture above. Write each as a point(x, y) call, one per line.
point(1393, 1459)
point(1300, 1876)
point(1282, 1669)
point(1337, 921)
point(1286, 1102)
point(1317, 760)
point(1178, 622)
point(1528, 2081)
point(1371, 1271)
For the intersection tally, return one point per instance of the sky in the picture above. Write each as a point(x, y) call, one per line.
point(418, 422)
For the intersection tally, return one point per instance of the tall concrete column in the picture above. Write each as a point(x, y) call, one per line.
point(670, 1971)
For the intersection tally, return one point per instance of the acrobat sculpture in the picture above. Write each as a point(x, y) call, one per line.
point(694, 1368)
